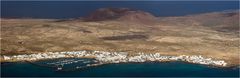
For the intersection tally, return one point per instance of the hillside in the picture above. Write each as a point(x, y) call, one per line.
point(210, 34)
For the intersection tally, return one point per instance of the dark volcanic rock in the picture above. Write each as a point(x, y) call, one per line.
point(125, 37)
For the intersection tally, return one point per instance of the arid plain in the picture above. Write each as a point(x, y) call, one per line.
point(214, 34)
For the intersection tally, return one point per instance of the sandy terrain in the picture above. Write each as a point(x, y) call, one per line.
point(168, 36)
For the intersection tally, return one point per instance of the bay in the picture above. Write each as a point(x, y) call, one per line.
point(147, 69)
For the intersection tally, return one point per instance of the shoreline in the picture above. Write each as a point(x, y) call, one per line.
point(116, 57)
point(96, 65)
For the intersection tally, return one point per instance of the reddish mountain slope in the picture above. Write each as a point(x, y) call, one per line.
point(122, 14)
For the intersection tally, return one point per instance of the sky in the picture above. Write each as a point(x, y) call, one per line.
point(75, 9)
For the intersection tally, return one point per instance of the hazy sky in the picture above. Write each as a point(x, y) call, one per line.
point(74, 9)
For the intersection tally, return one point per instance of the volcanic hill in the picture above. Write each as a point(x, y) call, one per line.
point(122, 14)
point(212, 35)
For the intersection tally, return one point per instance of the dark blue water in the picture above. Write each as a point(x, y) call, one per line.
point(149, 69)
point(75, 9)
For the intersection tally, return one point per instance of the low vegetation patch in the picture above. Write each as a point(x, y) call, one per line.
point(125, 37)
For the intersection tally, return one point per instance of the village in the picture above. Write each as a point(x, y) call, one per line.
point(104, 57)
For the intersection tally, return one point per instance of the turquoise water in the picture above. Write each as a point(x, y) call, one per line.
point(149, 69)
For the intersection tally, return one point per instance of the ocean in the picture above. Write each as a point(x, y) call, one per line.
point(76, 9)
point(147, 69)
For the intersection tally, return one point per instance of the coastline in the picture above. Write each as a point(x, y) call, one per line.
point(115, 57)
point(158, 68)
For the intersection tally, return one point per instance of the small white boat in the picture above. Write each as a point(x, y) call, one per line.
point(59, 68)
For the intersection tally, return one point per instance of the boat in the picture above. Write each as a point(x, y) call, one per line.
point(59, 68)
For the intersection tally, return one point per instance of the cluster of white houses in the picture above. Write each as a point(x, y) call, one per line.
point(115, 57)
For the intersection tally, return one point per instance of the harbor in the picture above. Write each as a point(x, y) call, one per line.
point(103, 57)
point(153, 69)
